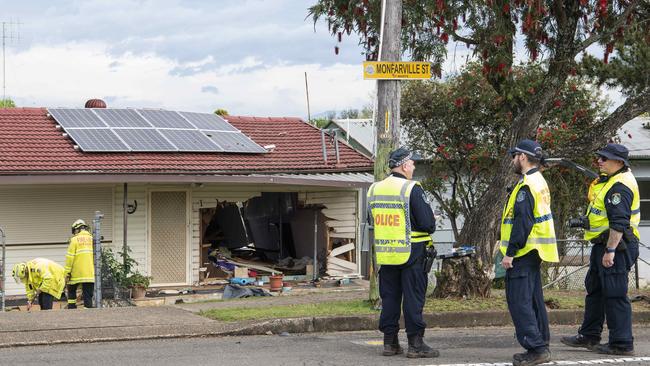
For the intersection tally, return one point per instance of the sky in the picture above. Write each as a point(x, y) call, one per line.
point(247, 56)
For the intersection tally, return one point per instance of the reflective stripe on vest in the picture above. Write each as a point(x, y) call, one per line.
point(597, 211)
point(542, 234)
point(388, 203)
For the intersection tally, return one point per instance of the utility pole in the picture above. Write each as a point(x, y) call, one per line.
point(387, 118)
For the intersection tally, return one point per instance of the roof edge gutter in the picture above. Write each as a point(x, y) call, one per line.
point(259, 178)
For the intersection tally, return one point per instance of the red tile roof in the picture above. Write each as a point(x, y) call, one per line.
point(31, 144)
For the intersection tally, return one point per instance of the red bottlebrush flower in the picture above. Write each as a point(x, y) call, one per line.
point(459, 102)
point(533, 54)
point(469, 146)
point(531, 90)
point(584, 2)
point(609, 48)
point(446, 155)
point(539, 130)
point(500, 67)
point(485, 54)
point(455, 24)
point(557, 103)
point(365, 2)
point(440, 5)
point(336, 50)
point(506, 8)
point(486, 69)
point(564, 126)
point(444, 37)
point(606, 58)
point(330, 12)
point(573, 71)
point(340, 36)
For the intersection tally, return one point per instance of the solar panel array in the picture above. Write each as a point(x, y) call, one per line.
point(144, 130)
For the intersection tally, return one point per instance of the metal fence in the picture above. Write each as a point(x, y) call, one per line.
point(570, 272)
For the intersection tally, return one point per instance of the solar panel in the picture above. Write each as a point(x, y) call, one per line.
point(208, 121)
point(234, 142)
point(141, 139)
point(99, 139)
point(165, 119)
point(121, 117)
point(190, 140)
point(76, 118)
point(99, 129)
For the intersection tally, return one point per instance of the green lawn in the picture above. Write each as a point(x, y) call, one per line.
point(559, 300)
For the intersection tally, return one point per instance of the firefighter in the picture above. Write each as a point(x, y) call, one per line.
point(44, 279)
point(80, 265)
point(527, 239)
point(403, 223)
point(612, 226)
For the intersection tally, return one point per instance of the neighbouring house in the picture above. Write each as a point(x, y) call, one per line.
point(163, 201)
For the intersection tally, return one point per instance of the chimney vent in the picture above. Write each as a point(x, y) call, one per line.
point(95, 103)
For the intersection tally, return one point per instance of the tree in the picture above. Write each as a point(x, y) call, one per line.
point(221, 112)
point(555, 33)
point(350, 113)
point(460, 125)
point(7, 103)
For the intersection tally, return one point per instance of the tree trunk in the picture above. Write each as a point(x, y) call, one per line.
point(387, 119)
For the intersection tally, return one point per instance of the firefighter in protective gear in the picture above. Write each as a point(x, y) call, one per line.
point(43, 279)
point(80, 265)
point(614, 215)
point(403, 223)
point(527, 239)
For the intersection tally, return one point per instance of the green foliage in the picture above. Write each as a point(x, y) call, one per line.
point(461, 124)
point(320, 122)
point(119, 270)
point(7, 103)
point(221, 112)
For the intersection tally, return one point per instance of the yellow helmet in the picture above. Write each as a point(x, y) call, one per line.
point(79, 225)
point(19, 272)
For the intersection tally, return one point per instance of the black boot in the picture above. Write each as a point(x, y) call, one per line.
point(608, 349)
point(531, 358)
point(391, 345)
point(580, 341)
point(419, 349)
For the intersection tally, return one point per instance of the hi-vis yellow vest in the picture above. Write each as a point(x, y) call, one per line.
point(542, 235)
point(46, 276)
point(388, 202)
point(79, 263)
point(597, 212)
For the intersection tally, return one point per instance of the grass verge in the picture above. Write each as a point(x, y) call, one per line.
point(557, 299)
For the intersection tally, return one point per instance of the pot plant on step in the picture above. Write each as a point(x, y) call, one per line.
point(138, 284)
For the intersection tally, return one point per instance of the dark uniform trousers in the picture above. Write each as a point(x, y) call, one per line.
point(607, 296)
point(407, 281)
point(87, 289)
point(526, 302)
point(45, 300)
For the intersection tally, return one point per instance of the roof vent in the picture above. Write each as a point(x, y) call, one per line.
point(95, 103)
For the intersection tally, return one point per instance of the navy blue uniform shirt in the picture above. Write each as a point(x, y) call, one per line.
point(618, 203)
point(524, 219)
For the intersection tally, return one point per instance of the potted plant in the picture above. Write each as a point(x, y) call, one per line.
point(138, 284)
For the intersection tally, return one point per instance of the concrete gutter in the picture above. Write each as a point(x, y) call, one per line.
point(175, 323)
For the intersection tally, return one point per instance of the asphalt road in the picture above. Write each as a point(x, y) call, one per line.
point(476, 346)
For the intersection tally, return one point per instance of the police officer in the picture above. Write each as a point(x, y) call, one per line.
point(80, 265)
point(403, 223)
point(527, 239)
point(43, 278)
point(613, 219)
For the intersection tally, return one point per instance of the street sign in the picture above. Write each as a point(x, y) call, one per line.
point(387, 70)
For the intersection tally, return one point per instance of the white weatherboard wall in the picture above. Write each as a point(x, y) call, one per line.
point(136, 223)
point(37, 220)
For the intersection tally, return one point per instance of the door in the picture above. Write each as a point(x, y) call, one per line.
point(168, 233)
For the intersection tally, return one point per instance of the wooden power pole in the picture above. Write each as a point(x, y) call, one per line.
point(387, 118)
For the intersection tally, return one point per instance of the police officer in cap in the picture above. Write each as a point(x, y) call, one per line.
point(403, 223)
point(612, 223)
point(527, 239)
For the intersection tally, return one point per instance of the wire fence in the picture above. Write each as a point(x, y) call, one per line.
point(570, 272)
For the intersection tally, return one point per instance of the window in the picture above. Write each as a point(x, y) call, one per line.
point(644, 191)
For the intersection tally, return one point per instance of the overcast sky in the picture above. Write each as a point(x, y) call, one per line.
point(246, 56)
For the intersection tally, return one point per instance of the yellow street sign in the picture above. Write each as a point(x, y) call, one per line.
point(396, 70)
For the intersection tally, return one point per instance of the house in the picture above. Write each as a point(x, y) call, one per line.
point(635, 135)
point(161, 203)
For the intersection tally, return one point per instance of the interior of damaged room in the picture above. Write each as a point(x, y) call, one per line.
point(278, 242)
